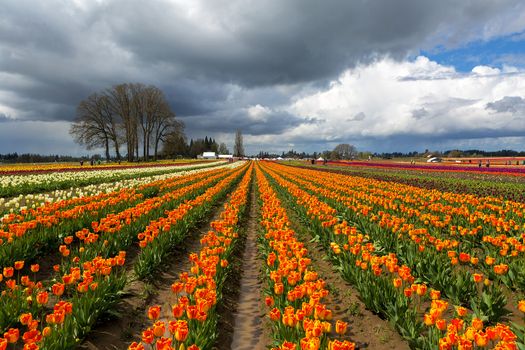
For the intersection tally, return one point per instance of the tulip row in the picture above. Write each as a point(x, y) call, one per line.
point(193, 319)
point(471, 249)
point(41, 168)
point(430, 266)
point(300, 319)
point(118, 231)
point(56, 316)
point(481, 185)
point(13, 185)
point(163, 234)
point(24, 203)
point(121, 239)
point(33, 234)
point(91, 247)
point(399, 299)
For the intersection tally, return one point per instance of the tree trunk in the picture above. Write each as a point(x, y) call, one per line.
point(107, 148)
point(156, 149)
point(117, 150)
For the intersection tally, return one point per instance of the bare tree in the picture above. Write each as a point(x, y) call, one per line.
point(96, 125)
point(344, 151)
point(238, 148)
point(124, 114)
point(174, 141)
point(120, 98)
point(223, 149)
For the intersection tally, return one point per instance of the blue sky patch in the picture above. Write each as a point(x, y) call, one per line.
point(507, 50)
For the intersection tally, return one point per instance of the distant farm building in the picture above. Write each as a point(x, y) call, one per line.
point(209, 155)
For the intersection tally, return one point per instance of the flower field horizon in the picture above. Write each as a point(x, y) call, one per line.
point(348, 256)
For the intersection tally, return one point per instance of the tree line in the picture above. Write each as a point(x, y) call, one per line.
point(131, 116)
point(177, 146)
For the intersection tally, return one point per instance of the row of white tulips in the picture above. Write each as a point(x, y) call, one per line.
point(21, 202)
point(10, 181)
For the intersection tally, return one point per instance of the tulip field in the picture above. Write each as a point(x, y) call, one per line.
point(345, 259)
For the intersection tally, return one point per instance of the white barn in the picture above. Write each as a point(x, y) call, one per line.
point(209, 155)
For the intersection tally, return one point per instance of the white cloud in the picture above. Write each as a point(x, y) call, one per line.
point(420, 98)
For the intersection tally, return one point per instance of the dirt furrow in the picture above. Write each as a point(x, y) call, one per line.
point(249, 331)
point(366, 329)
point(125, 324)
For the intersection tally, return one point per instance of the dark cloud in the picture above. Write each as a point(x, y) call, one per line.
point(216, 60)
point(359, 116)
point(441, 107)
point(264, 123)
point(419, 113)
point(511, 104)
point(4, 118)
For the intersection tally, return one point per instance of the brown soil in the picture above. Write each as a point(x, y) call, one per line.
point(246, 328)
point(129, 318)
point(366, 329)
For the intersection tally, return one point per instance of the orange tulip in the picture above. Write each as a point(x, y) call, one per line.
point(429, 319)
point(25, 319)
point(46, 332)
point(481, 339)
point(136, 346)
point(19, 265)
point(182, 332)
point(521, 306)
point(398, 282)
point(275, 314)
point(341, 327)
point(478, 277)
point(461, 311)
point(435, 294)
point(159, 328)
point(12, 335)
point(441, 324)
point(178, 310)
point(148, 336)
point(163, 344)
point(8, 272)
point(58, 289)
point(501, 269)
point(42, 298)
point(154, 312)
point(477, 323)
point(421, 289)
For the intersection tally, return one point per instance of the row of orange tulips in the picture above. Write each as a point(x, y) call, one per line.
point(86, 308)
point(159, 237)
point(510, 271)
point(479, 221)
point(30, 235)
point(389, 288)
point(191, 322)
point(300, 319)
point(53, 312)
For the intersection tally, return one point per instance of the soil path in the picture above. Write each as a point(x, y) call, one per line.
point(129, 318)
point(249, 332)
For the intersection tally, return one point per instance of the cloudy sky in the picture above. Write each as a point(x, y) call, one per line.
point(385, 75)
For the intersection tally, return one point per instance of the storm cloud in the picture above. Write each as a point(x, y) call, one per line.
point(511, 104)
point(240, 64)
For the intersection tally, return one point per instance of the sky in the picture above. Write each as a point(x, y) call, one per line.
point(383, 75)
